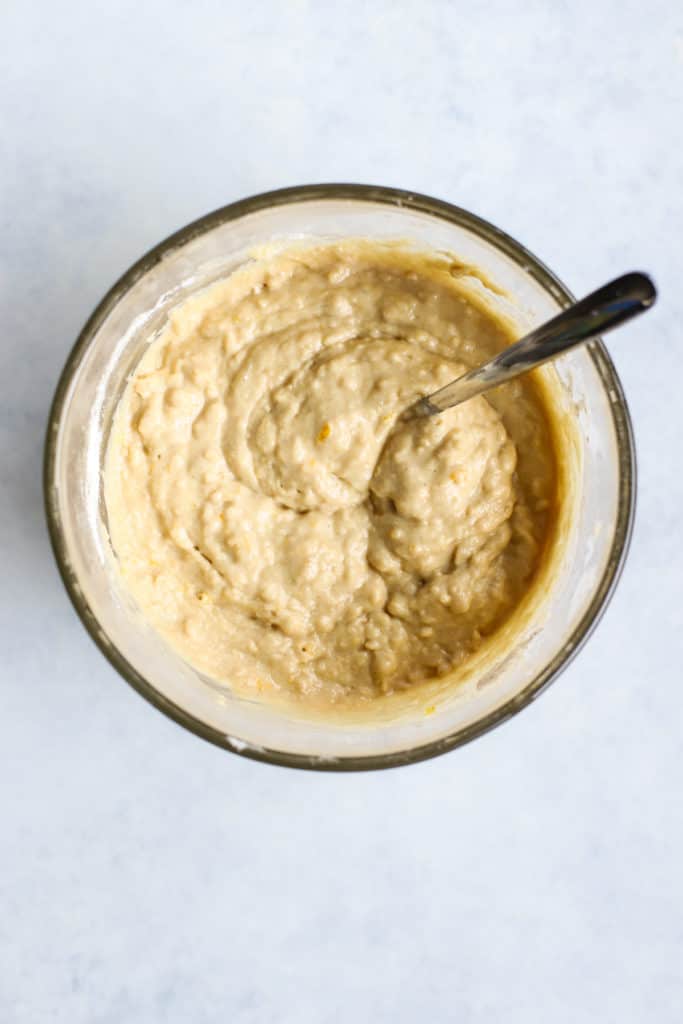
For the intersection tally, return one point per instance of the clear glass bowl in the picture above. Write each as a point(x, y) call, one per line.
point(597, 532)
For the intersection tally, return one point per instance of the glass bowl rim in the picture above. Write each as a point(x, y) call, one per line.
point(534, 268)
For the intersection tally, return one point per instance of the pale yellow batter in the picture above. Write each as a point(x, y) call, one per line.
point(275, 521)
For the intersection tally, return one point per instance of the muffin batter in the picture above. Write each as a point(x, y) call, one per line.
point(273, 517)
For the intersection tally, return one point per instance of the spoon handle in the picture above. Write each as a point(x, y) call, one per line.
point(599, 312)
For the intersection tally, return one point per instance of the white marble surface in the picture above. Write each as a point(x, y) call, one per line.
point(145, 876)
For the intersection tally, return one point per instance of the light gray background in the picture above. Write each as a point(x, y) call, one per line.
point(534, 876)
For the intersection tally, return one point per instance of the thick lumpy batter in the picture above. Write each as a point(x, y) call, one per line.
point(276, 520)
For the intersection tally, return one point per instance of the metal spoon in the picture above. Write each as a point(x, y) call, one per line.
point(609, 306)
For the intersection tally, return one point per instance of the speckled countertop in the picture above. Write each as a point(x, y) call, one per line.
point(533, 876)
